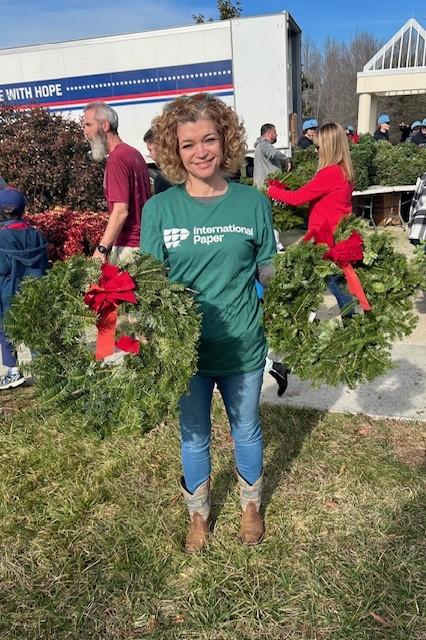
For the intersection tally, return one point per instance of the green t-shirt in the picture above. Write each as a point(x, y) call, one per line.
point(215, 249)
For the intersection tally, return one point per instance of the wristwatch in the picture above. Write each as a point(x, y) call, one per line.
point(103, 249)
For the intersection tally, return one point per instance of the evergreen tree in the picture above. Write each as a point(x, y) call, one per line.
point(226, 9)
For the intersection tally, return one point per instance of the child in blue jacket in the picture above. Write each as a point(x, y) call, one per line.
point(23, 253)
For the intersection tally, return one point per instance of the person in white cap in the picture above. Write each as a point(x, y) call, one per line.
point(383, 126)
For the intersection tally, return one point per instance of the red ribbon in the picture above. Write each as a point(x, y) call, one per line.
point(114, 286)
point(343, 254)
point(128, 344)
point(15, 225)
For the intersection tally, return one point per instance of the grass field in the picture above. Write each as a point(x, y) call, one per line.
point(91, 533)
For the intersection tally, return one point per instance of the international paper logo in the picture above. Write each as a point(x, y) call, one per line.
point(173, 237)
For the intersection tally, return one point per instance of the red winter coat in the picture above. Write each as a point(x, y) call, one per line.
point(329, 193)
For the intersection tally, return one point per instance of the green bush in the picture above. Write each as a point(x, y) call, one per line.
point(46, 156)
point(363, 159)
point(399, 164)
point(374, 163)
point(304, 167)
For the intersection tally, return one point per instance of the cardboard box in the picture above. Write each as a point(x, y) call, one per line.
point(385, 209)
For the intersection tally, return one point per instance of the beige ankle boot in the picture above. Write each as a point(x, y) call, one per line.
point(252, 529)
point(198, 504)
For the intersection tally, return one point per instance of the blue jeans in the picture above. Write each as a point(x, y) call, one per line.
point(344, 299)
point(8, 353)
point(240, 394)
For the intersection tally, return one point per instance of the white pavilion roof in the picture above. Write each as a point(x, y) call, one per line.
point(405, 50)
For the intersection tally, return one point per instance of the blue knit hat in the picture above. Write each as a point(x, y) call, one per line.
point(416, 124)
point(424, 122)
point(12, 199)
point(310, 124)
point(350, 128)
point(383, 119)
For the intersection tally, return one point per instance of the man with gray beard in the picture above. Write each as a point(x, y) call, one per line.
point(126, 182)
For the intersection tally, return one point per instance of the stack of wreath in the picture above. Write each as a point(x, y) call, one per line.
point(348, 350)
point(156, 324)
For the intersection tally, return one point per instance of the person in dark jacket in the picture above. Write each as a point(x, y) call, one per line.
point(23, 253)
point(420, 137)
point(415, 128)
point(405, 130)
point(309, 131)
point(383, 126)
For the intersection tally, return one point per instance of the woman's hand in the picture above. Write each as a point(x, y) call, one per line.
point(276, 183)
point(275, 189)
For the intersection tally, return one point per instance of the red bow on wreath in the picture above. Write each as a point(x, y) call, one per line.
point(114, 286)
point(343, 253)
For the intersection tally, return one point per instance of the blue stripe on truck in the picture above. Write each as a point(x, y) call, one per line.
point(121, 84)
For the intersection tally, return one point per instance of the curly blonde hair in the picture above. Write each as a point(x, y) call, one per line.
point(191, 109)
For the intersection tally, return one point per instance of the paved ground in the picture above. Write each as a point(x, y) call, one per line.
point(401, 393)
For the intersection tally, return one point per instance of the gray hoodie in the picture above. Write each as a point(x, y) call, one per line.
point(267, 160)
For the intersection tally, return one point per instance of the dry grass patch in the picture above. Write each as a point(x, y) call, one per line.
point(410, 444)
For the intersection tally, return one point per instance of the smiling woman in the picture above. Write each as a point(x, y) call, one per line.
point(211, 122)
point(200, 150)
point(215, 237)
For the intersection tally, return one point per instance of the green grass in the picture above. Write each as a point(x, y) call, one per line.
point(91, 533)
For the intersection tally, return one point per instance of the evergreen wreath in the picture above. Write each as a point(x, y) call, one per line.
point(50, 316)
point(354, 349)
point(304, 167)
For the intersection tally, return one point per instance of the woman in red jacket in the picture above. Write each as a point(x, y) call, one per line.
point(329, 193)
point(330, 190)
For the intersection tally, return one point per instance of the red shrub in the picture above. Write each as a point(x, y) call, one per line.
point(46, 156)
point(69, 232)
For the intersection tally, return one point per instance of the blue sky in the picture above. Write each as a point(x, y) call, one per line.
point(38, 21)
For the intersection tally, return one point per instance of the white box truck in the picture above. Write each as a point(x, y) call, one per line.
point(252, 63)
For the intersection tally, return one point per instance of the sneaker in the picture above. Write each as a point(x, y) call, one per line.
point(280, 373)
point(11, 380)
